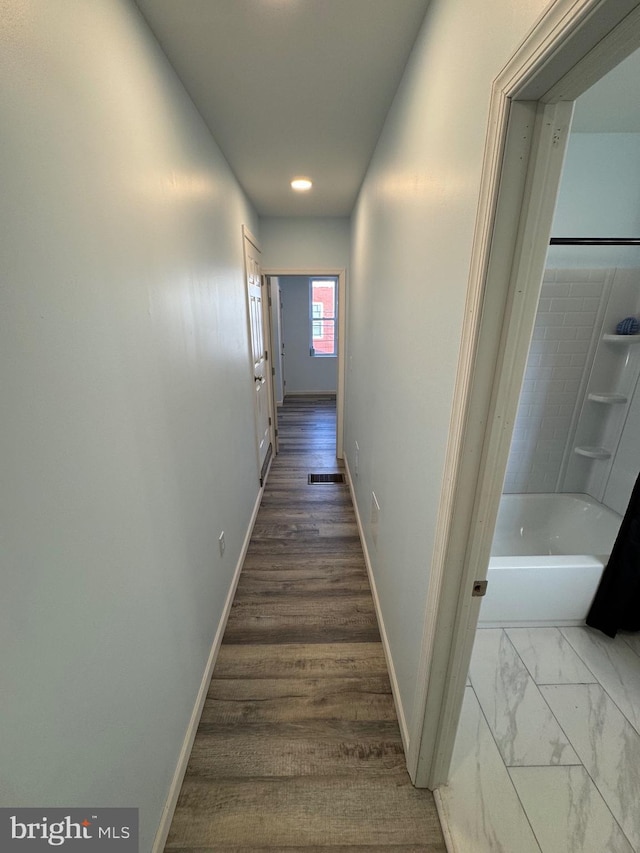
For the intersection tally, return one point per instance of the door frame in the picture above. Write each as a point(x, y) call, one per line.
point(273, 355)
point(340, 274)
point(572, 46)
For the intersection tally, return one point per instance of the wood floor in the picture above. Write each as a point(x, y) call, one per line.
point(298, 747)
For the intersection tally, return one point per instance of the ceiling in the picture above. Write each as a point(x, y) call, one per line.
point(302, 87)
point(291, 87)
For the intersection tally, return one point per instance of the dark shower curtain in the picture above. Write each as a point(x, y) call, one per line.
point(616, 604)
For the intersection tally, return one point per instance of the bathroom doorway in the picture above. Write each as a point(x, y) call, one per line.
point(600, 374)
point(529, 121)
point(575, 446)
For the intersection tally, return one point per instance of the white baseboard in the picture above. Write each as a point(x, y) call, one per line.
point(444, 822)
point(402, 721)
point(187, 745)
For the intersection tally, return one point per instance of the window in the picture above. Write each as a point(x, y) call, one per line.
point(322, 314)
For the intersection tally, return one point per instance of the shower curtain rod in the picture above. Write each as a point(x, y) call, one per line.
point(594, 241)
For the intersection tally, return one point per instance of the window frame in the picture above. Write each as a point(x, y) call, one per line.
point(320, 319)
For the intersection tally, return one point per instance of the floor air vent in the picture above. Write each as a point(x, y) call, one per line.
point(315, 479)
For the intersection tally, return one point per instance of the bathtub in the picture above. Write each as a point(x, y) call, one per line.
point(547, 557)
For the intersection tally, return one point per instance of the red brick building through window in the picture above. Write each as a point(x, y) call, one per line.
point(322, 293)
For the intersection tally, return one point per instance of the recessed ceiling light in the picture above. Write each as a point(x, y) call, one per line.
point(301, 184)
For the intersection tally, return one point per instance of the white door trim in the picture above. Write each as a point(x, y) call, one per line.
point(340, 273)
point(511, 237)
point(273, 355)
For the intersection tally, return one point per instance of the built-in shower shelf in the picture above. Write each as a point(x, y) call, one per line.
point(621, 339)
point(593, 452)
point(608, 398)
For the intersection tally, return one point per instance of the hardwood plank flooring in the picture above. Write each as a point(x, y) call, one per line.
point(298, 747)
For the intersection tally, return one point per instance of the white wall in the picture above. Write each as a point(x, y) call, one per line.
point(304, 243)
point(127, 433)
point(411, 247)
point(599, 197)
point(302, 372)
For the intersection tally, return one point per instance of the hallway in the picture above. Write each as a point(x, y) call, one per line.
point(298, 746)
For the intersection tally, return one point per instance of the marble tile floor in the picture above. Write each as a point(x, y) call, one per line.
point(547, 756)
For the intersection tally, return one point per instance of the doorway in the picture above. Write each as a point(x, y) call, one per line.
point(574, 456)
point(281, 278)
point(530, 116)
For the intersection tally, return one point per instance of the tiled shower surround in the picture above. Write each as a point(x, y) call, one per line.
point(566, 330)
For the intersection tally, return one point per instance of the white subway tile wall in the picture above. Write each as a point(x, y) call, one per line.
point(564, 328)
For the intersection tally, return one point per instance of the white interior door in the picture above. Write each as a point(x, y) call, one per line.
point(261, 384)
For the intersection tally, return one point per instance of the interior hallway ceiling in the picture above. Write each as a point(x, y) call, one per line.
point(291, 87)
